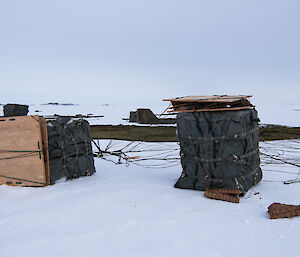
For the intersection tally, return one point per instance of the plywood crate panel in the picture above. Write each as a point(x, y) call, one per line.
point(23, 145)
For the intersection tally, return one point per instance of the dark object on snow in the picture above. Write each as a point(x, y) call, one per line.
point(63, 104)
point(70, 149)
point(10, 110)
point(219, 150)
point(279, 210)
point(132, 116)
point(146, 116)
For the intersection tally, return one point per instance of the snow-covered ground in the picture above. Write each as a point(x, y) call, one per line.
point(135, 211)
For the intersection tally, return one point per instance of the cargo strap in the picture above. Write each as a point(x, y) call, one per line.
point(25, 180)
point(230, 178)
point(22, 154)
point(234, 158)
point(209, 160)
point(217, 139)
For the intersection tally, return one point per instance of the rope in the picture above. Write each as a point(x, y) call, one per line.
point(8, 151)
point(22, 155)
point(133, 147)
point(164, 155)
point(280, 159)
point(26, 180)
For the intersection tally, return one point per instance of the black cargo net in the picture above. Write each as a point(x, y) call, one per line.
point(219, 149)
point(70, 149)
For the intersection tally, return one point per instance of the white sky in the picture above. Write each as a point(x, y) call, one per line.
point(144, 51)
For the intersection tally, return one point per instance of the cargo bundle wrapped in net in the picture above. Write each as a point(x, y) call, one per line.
point(218, 138)
point(34, 152)
point(70, 149)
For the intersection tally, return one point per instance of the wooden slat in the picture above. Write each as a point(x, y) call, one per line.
point(21, 134)
point(279, 210)
point(43, 124)
point(222, 197)
point(135, 133)
point(216, 109)
point(230, 191)
point(214, 98)
point(168, 133)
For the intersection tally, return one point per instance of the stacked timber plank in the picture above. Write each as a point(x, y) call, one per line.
point(210, 103)
point(280, 210)
point(223, 194)
point(24, 157)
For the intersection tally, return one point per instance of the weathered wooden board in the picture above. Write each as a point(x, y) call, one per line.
point(215, 110)
point(168, 133)
point(135, 133)
point(209, 98)
point(277, 132)
point(43, 123)
point(21, 151)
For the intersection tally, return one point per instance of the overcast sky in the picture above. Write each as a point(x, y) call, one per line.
point(135, 50)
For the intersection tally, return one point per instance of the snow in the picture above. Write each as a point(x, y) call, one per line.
point(135, 211)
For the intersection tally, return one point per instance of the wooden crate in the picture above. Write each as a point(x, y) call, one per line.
point(24, 158)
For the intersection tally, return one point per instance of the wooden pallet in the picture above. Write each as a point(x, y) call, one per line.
point(210, 103)
point(24, 158)
point(223, 194)
point(209, 98)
